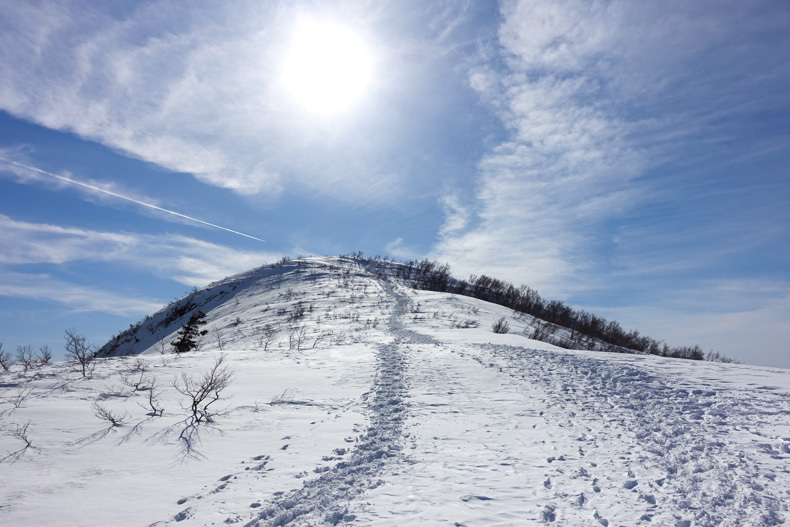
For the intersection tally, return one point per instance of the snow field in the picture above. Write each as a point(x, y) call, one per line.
point(378, 405)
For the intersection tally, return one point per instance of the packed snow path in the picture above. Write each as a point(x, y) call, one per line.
point(593, 442)
point(330, 495)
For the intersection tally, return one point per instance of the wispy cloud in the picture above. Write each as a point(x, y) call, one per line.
point(197, 89)
point(75, 297)
point(593, 97)
point(186, 260)
point(744, 319)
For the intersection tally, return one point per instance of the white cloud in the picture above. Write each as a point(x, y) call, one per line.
point(186, 260)
point(456, 215)
point(743, 319)
point(594, 94)
point(197, 89)
point(77, 298)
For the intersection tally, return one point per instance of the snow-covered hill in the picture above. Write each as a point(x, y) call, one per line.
point(357, 400)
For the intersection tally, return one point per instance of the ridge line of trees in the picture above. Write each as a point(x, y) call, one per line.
point(583, 326)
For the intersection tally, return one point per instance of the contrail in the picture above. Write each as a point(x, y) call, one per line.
point(142, 203)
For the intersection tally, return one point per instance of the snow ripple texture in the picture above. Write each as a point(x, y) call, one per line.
point(683, 434)
point(325, 500)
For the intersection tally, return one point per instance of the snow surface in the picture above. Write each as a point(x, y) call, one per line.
point(392, 412)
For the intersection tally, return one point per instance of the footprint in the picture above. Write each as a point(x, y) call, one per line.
point(470, 497)
point(183, 515)
point(602, 521)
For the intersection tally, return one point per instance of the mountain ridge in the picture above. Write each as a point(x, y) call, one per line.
point(550, 321)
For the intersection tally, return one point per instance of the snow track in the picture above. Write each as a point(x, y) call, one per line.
point(670, 445)
point(328, 498)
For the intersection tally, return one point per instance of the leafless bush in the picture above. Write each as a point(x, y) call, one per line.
point(140, 366)
point(297, 313)
point(44, 354)
point(21, 396)
point(20, 432)
point(153, 403)
point(105, 414)
point(161, 346)
point(267, 336)
point(543, 331)
point(204, 390)
point(297, 338)
point(219, 336)
point(6, 361)
point(501, 326)
point(133, 380)
point(26, 357)
point(284, 398)
point(321, 336)
point(79, 351)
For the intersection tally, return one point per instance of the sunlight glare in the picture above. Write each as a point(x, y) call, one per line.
point(327, 68)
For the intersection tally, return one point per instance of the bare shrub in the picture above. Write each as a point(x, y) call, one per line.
point(20, 432)
point(44, 354)
point(543, 331)
point(161, 346)
point(21, 396)
point(79, 351)
point(105, 414)
point(153, 403)
point(501, 326)
point(26, 357)
point(267, 336)
point(139, 365)
point(321, 336)
point(297, 338)
point(297, 313)
point(219, 336)
point(132, 380)
point(284, 398)
point(205, 390)
point(6, 361)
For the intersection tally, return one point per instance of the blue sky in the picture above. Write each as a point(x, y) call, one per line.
point(629, 158)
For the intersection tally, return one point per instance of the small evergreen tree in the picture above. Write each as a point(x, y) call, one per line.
point(190, 333)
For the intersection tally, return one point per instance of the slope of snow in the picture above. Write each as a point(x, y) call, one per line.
point(380, 405)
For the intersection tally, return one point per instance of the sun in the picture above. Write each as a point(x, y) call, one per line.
point(327, 67)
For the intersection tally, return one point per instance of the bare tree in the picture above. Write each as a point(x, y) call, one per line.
point(205, 390)
point(26, 357)
point(267, 337)
point(297, 338)
point(44, 354)
point(219, 335)
point(20, 397)
point(20, 432)
point(132, 380)
point(105, 414)
point(153, 399)
point(161, 346)
point(6, 361)
point(79, 351)
point(324, 334)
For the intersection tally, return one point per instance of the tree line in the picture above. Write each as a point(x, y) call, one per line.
point(586, 329)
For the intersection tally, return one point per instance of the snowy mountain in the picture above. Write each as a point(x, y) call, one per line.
point(354, 399)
